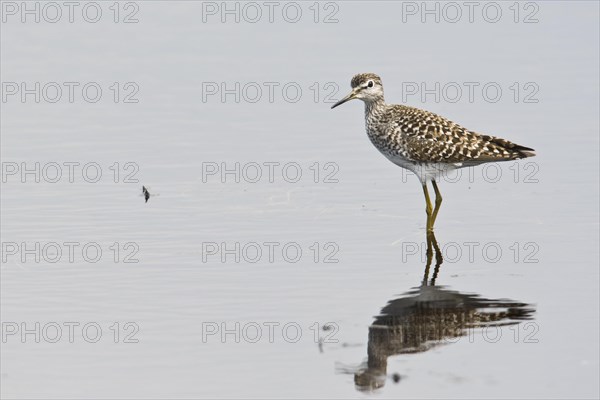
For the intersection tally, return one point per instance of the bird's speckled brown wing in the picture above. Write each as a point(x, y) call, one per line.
point(427, 137)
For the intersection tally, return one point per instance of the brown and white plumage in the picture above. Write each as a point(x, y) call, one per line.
point(423, 136)
point(423, 142)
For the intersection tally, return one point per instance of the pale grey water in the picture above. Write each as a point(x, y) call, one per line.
point(373, 215)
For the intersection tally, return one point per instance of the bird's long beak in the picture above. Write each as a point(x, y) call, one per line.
point(351, 95)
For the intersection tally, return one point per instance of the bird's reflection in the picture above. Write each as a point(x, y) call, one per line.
point(428, 316)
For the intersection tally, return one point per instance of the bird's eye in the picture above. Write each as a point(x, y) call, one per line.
point(370, 84)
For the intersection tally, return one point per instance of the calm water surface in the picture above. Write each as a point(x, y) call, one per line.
point(508, 307)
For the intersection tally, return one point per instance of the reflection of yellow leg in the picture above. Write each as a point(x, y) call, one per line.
point(429, 255)
point(438, 202)
point(438, 256)
point(432, 246)
point(428, 208)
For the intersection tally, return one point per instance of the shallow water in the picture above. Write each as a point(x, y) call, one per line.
point(281, 316)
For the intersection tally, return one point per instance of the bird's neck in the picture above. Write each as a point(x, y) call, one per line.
point(374, 108)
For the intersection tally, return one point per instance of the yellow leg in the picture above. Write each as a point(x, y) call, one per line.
point(438, 202)
point(428, 208)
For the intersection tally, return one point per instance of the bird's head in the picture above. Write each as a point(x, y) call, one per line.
point(366, 87)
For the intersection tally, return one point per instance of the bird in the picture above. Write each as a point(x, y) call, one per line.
point(423, 142)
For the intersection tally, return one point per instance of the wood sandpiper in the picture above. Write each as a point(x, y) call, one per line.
point(423, 142)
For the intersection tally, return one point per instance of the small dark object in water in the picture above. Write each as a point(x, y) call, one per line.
point(146, 193)
point(396, 377)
